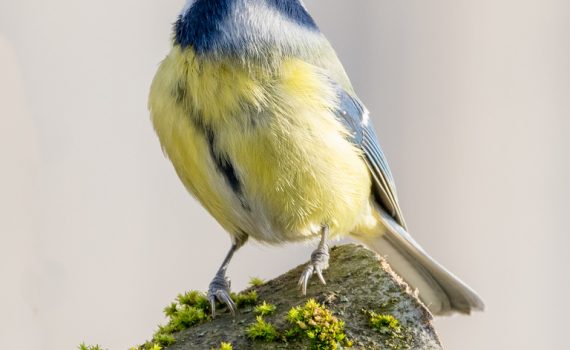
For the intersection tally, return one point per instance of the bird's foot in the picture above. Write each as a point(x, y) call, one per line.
point(319, 262)
point(219, 290)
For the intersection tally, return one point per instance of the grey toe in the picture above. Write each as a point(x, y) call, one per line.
point(319, 262)
point(220, 291)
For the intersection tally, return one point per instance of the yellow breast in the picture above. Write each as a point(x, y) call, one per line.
point(276, 128)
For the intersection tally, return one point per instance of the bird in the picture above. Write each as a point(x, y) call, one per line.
point(257, 115)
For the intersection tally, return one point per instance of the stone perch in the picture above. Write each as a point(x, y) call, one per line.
point(378, 310)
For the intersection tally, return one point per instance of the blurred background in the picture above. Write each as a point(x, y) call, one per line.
point(471, 100)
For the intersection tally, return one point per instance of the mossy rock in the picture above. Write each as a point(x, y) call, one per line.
point(359, 284)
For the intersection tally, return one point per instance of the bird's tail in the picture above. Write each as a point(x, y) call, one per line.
point(439, 289)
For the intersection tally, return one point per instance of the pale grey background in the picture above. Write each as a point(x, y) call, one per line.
point(471, 100)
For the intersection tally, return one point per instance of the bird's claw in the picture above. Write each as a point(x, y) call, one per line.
point(319, 262)
point(220, 291)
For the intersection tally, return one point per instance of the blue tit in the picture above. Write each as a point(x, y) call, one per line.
point(258, 116)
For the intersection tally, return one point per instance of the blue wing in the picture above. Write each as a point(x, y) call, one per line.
point(354, 116)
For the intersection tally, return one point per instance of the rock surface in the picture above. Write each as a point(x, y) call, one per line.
point(358, 281)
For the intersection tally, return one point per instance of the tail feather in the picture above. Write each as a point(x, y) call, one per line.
point(441, 291)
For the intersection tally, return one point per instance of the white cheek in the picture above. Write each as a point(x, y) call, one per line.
point(268, 25)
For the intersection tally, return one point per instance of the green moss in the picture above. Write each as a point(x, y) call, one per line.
point(186, 317)
point(194, 299)
point(385, 323)
point(163, 339)
point(171, 309)
point(186, 311)
point(226, 346)
point(262, 331)
point(316, 323)
point(256, 282)
point(245, 299)
point(264, 309)
point(82, 346)
point(189, 309)
point(148, 346)
point(395, 336)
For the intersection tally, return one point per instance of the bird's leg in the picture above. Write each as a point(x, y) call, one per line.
point(319, 262)
point(220, 286)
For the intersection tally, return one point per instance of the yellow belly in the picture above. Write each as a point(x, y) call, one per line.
point(296, 169)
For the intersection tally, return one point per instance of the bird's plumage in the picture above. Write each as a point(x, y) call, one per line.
point(441, 291)
point(216, 26)
point(263, 127)
point(356, 119)
point(261, 149)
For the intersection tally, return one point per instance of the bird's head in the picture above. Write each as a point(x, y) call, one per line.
point(244, 25)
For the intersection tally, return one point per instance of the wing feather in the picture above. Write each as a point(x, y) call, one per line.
point(354, 116)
